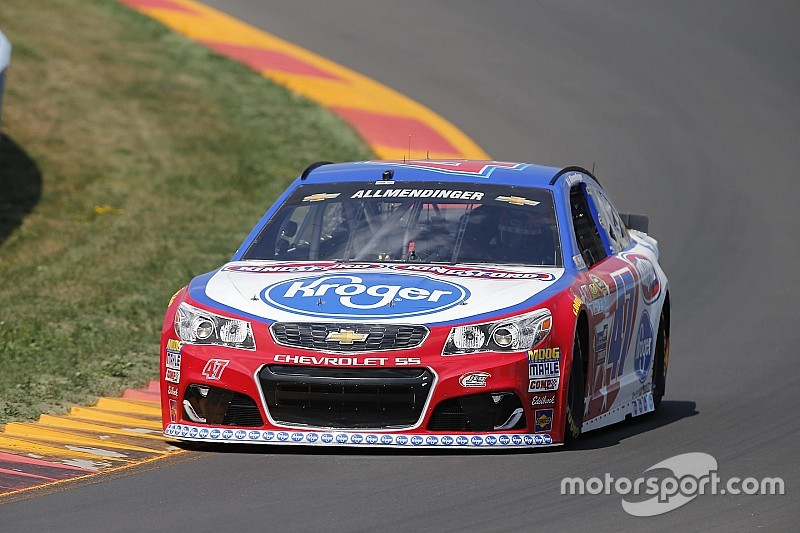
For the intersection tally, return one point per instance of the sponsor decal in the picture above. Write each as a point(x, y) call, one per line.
point(174, 345)
point(386, 439)
point(490, 440)
point(461, 440)
point(516, 439)
point(356, 439)
point(193, 432)
point(214, 433)
point(416, 440)
point(327, 438)
point(474, 379)
point(312, 437)
point(447, 440)
point(214, 368)
point(538, 400)
point(172, 391)
point(543, 420)
point(283, 436)
point(516, 200)
point(466, 272)
point(173, 360)
point(203, 433)
point(432, 440)
point(544, 355)
point(504, 440)
point(543, 385)
point(341, 438)
point(477, 440)
point(648, 278)
point(441, 270)
point(284, 268)
point(173, 411)
point(644, 348)
point(596, 295)
point(172, 375)
point(544, 370)
point(364, 295)
point(401, 440)
point(600, 343)
point(268, 435)
point(227, 434)
point(371, 439)
point(573, 178)
point(254, 435)
point(451, 194)
point(241, 434)
point(315, 360)
point(321, 196)
point(464, 168)
point(297, 437)
point(172, 299)
point(576, 305)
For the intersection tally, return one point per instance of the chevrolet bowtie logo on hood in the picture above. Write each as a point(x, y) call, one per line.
point(346, 336)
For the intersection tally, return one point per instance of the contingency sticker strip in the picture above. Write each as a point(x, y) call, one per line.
point(114, 434)
point(361, 101)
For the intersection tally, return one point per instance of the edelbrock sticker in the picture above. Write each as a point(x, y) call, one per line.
point(364, 295)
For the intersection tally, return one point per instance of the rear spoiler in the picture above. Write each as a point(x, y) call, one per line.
point(635, 222)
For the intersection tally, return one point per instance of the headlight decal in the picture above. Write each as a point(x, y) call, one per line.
point(508, 335)
point(197, 326)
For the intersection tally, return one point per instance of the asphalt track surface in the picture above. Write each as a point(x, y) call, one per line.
point(690, 112)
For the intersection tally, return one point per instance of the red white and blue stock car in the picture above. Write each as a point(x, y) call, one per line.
point(461, 304)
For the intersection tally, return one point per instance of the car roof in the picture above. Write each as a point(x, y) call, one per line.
point(495, 172)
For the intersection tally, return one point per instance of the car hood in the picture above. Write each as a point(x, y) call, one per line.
point(376, 292)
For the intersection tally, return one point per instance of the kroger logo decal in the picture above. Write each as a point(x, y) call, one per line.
point(365, 295)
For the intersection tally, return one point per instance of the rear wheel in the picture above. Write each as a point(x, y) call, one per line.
point(573, 417)
point(659, 363)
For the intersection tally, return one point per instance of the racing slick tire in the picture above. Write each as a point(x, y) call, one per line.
point(659, 363)
point(573, 414)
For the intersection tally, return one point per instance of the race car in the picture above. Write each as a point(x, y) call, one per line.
point(423, 304)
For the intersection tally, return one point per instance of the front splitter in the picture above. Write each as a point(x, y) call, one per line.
point(347, 438)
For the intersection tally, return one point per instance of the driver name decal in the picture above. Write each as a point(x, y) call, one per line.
point(418, 193)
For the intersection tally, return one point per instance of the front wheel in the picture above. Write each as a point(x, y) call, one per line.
point(574, 412)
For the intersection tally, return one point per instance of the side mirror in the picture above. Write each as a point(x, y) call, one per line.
point(635, 222)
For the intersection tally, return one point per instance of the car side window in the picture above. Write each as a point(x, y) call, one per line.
point(587, 235)
point(610, 221)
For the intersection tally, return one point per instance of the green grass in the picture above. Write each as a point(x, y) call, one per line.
point(134, 161)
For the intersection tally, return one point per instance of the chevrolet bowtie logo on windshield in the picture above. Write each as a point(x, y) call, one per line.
point(321, 196)
point(516, 200)
point(346, 336)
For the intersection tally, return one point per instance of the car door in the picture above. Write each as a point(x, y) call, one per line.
point(609, 288)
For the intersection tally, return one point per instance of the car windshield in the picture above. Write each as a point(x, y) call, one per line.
point(430, 222)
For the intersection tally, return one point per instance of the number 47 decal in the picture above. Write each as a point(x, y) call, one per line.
point(214, 368)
